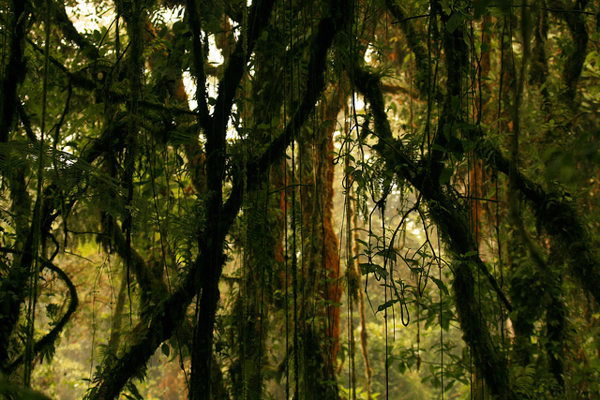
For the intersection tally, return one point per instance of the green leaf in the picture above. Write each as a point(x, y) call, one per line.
point(166, 350)
point(134, 391)
point(9, 389)
point(456, 109)
point(411, 261)
point(362, 242)
point(445, 6)
point(357, 175)
point(390, 254)
point(454, 21)
point(480, 7)
point(438, 148)
point(445, 175)
point(387, 304)
point(366, 268)
point(440, 284)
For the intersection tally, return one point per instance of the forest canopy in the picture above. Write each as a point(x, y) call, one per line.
point(333, 199)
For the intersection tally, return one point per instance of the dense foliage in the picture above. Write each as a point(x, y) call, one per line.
point(299, 199)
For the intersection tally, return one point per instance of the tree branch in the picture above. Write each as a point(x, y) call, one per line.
point(451, 220)
point(415, 44)
point(50, 337)
point(316, 83)
point(62, 20)
point(576, 58)
point(198, 58)
point(152, 286)
point(557, 214)
point(15, 68)
point(170, 313)
point(258, 18)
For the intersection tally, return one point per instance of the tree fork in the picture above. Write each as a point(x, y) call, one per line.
point(171, 312)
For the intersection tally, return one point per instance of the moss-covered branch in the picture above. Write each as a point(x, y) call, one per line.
point(415, 43)
point(556, 212)
point(14, 72)
point(147, 336)
point(152, 285)
point(198, 59)
point(258, 18)
point(49, 339)
point(316, 84)
point(170, 313)
point(575, 20)
point(71, 34)
point(14, 284)
point(452, 221)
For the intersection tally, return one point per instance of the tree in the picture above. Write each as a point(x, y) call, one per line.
point(477, 129)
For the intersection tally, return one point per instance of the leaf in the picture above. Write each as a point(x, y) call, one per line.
point(440, 284)
point(362, 242)
point(411, 261)
point(134, 391)
point(9, 389)
point(357, 175)
point(387, 304)
point(437, 147)
point(389, 254)
point(166, 350)
point(480, 7)
point(366, 268)
point(454, 21)
point(444, 320)
point(402, 367)
point(445, 175)
point(456, 109)
point(445, 6)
